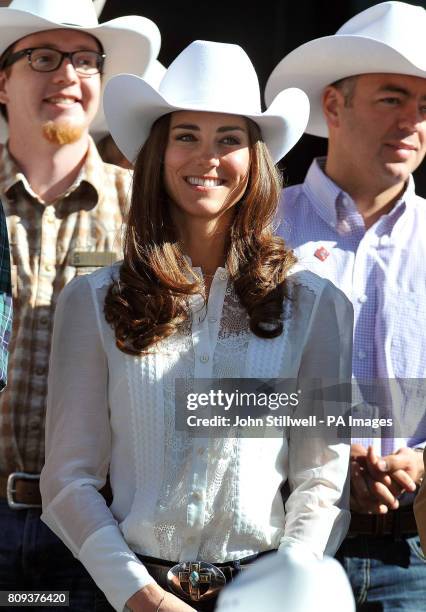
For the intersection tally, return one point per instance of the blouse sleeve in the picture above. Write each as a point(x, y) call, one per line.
point(78, 441)
point(317, 510)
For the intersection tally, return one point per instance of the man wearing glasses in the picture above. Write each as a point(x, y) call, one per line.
point(64, 210)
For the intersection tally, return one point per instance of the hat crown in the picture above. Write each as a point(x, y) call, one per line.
point(205, 77)
point(398, 25)
point(386, 22)
point(73, 12)
point(210, 75)
point(385, 38)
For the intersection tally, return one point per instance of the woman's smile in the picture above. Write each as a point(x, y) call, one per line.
point(204, 182)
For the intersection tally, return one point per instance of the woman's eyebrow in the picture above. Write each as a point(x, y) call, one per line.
point(224, 128)
point(230, 128)
point(186, 126)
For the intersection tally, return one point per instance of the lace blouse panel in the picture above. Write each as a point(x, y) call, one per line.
point(179, 356)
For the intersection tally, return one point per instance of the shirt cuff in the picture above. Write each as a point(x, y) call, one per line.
point(297, 550)
point(113, 566)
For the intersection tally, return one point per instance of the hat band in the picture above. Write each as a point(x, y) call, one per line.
point(219, 106)
point(78, 25)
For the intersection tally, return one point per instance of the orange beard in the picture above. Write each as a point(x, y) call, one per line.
point(62, 133)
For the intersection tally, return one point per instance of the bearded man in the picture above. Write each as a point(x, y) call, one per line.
point(64, 209)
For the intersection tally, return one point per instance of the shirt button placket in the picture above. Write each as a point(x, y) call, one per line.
point(203, 360)
point(47, 256)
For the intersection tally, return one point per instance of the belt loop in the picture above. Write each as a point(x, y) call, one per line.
point(380, 520)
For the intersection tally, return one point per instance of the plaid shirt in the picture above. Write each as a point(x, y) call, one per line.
point(50, 244)
point(5, 299)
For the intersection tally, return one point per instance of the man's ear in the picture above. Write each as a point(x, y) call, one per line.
point(332, 103)
point(4, 98)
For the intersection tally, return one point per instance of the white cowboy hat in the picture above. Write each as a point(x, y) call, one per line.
point(206, 76)
point(153, 75)
point(131, 43)
point(386, 38)
point(289, 582)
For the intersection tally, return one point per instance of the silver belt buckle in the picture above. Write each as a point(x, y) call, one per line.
point(195, 580)
point(11, 490)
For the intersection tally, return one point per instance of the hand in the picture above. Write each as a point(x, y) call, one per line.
point(148, 599)
point(377, 482)
point(405, 467)
point(362, 498)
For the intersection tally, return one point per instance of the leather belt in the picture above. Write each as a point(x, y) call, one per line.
point(395, 523)
point(195, 581)
point(22, 490)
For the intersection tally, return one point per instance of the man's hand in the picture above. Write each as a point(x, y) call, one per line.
point(405, 467)
point(362, 499)
point(376, 482)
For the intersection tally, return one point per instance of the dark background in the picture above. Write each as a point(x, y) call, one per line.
point(266, 30)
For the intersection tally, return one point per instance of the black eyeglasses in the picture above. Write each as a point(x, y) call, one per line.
point(44, 59)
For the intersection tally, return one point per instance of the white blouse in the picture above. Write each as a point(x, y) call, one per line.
point(179, 497)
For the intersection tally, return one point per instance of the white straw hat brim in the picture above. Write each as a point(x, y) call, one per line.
point(132, 105)
point(131, 43)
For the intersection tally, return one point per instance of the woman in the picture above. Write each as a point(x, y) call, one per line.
point(205, 291)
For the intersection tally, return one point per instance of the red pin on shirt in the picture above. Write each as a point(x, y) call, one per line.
point(321, 253)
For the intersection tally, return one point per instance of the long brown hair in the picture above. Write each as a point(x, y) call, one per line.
point(149, 301)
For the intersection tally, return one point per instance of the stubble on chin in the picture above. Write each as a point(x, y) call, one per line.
point(63, 132)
